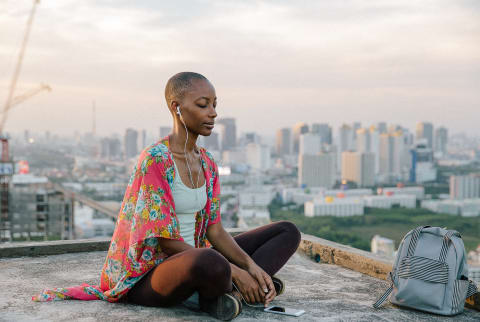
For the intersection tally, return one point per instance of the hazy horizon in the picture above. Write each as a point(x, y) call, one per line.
point(273, 63)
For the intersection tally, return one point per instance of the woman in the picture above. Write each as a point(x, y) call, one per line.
point(159, 254)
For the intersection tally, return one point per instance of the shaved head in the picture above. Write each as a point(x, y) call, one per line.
point(179, 84)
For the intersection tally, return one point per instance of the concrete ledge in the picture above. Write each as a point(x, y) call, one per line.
point(325, 251)
point(32, 249)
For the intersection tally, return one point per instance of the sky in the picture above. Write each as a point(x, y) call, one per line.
point(273, 63)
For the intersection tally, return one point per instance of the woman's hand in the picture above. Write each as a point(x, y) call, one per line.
point(267, 289)
point(248, 286)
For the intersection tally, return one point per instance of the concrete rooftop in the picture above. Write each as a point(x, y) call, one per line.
point(326, 292)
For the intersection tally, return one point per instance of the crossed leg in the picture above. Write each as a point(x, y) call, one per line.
point(208, 272)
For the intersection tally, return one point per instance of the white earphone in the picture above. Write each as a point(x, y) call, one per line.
point(178, 109)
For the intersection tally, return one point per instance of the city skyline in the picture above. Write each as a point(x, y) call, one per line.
point(273, 64)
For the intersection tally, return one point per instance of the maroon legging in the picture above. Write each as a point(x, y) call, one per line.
point(205, 270)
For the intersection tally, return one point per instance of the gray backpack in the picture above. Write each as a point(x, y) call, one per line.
point(430, 272)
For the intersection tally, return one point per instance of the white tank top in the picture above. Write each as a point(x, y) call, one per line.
point(186, 205)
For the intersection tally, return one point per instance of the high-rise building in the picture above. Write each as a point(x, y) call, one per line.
point(229, 137)
point(422, 163)
point(425, 131)
point(393, 157)
point(310, 143)
point(110, 148)
point(441, 139)
point(374, 146)
point(39, 210)
point(164, 131)
point(211, 142)
point(317, 170)
point(363, 140)
point(382, 127)
point(346, 138)
point(465, 187)
point(298, 129)
point(258, 156)
point(283, 143)
point(359, 167)
point(324, 131)
point(131, 137)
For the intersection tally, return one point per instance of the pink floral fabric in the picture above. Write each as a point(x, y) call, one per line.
point(147, 213)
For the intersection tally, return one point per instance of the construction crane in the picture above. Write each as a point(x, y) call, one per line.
point(16, 72)
point(6, 165)
point(20, 98)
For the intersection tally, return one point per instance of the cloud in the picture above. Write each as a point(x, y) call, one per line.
point(263, 56)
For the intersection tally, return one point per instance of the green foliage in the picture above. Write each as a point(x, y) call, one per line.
point(357, 231)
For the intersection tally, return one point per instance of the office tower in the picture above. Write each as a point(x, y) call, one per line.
point(164, 131)
point(258, 156)
point(317, 170)
point(382, 127)
point(110, 148)
point(441, 139)
point(363, 140)
point(356, 126)
point(374, 146)
point(310, 143)
point(324, 131)
point(144, 139)
point(250, 137)
point(39, 210)
point(465, 187)
point(283, 142)
point(130, 143)
point(393, 157)
point(345, 138)
point(298, 129)
point(359, 167)
point(425, 131)
point(422, 163)
point(211, 142)
point(229, 137)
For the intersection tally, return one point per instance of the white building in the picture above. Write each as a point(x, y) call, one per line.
point(465, 208)
point(255, 197)
point(418, 192)
point(363, 140)
point(359, 167)
point(310, 143)
point(383, 246)
point(316, 170)
point(258, 156)
point(299, 195)
point(394, 158)
point(464, 187)
point(347, 193)
point(407, 201)
point(334, 207)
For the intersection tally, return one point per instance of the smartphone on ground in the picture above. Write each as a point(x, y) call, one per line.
point(284, 310)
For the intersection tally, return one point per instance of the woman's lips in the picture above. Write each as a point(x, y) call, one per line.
point(208, 125)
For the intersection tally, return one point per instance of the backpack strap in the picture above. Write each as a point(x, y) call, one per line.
point(385, 295)
point(414, 239)
point(472, 288)
point(446, 243)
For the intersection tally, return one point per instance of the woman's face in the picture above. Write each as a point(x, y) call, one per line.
point(198, 107)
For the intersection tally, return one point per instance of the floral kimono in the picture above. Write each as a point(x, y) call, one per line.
point(147, 213)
